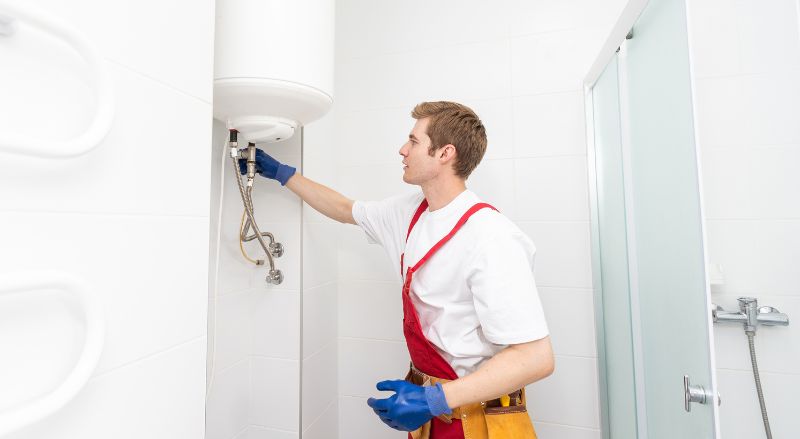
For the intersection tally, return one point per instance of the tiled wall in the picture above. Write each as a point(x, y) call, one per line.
point(256, 384)
point(746, 57)
point(519, 65)
point(130, 217)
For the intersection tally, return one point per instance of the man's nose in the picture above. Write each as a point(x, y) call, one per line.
point(403, 150)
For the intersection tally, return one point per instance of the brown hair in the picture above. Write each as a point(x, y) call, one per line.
point(455, 124)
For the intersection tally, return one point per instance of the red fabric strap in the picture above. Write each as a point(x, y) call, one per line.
point(417, 214)
point(444, 240)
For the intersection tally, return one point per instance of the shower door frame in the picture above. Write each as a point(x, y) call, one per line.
point(614, 47)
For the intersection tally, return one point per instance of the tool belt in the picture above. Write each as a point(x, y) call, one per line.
point(481, 420)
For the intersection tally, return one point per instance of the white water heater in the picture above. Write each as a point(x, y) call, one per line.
point(273, 65)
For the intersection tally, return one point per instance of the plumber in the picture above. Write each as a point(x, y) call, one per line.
point(473, 321)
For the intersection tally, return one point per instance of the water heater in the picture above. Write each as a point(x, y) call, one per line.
point(273, 65)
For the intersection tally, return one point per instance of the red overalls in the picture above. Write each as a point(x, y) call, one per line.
point(423, 355)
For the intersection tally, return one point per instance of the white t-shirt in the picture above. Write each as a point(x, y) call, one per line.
point(476, 295)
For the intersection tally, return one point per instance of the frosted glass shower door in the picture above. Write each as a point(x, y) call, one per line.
point(648, 247)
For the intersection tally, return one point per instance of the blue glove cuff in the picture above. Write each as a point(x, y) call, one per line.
point(284, 173)
point(437, 403)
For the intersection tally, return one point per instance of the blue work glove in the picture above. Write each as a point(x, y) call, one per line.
point(411, 406)
point(266, 166)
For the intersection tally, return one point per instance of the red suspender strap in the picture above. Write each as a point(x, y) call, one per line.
point(417, 214)
point(444, 240)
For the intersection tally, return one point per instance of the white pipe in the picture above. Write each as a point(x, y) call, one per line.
point(22, 143)
point(37, 409)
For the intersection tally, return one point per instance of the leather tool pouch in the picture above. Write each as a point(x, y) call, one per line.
point(509, 422)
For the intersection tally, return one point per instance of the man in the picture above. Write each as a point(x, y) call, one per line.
point(473, 321)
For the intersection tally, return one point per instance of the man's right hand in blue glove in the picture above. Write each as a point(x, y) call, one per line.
point(268, 167)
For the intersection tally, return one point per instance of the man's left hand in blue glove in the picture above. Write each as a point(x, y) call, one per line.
point(411, 406)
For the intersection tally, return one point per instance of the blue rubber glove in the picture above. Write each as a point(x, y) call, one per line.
point(411, 406)
point(268, 167)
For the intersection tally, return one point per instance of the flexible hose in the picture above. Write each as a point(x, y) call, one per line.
point(248, 207)
point(750, 335)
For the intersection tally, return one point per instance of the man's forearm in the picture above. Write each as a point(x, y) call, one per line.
point(322, 198)
point(509, 370)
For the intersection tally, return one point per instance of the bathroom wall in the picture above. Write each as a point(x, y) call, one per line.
point(129, 217)
point(255, 331)
point(275, 355)
point(519, 65)
point(746, 57)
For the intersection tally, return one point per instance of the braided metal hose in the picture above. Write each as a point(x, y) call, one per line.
point(248, 207)
point(750, 335)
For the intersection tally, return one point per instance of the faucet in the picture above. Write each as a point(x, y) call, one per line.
point(750, 315)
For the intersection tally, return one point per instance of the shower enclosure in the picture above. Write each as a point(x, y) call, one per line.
point(657, 373)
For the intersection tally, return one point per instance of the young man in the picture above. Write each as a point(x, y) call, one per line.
point(473, 321)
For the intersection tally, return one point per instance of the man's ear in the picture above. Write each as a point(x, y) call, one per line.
point(447, 152)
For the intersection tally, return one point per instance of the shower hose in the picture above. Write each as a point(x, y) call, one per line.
point(750, 335)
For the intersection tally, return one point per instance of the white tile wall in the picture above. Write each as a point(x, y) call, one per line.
point(275, 393)
point(161, 397)
point(746, 57)
point(123, 217)
point(257, 324)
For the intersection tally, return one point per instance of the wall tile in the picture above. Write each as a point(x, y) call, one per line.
point(319, 317)
point(326, 426)
point(492, 183)
point(554, 62)
point(740, 246)
point(360, 260)
point(569, 396)
point(275, 393)
point(276, 324)
point(555, 431)
point(370, 309)
point(166, 390)
point(768, 103)
point(356, 418)
point(258, 432)
point(409, 27)
point(229, 401)
point(234, 326)
point(740, 413)
point(469, 71)
point(183, 60)
point(715, 32)
point(562, 253)
point(129, 171)
point(363, 363)
point(556, 15)
point(375, 136)
point(768, 35)
point(552, 188)
point(751, 182)
point(165, 289)
point(319, 253)
point(319, 384)
point(575, 334)
point(549, 124)
point(384, 181)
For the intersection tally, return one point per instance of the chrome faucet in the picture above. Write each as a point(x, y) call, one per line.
point(751, 315)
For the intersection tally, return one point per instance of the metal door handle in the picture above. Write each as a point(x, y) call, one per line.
point(694, 393)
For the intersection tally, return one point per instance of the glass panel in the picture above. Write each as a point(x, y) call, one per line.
point(611, 276)
point(668, 276)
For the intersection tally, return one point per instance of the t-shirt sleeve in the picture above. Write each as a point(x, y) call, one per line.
point(387, 220)
point(505, 297)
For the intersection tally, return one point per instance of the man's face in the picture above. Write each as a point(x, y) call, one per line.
point(419, 166)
